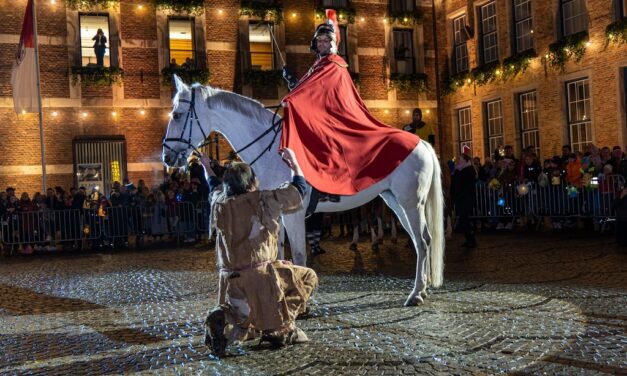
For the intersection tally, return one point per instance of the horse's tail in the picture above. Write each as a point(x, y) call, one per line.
point(435, 222)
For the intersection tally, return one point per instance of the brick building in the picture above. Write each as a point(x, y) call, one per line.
point(515, 79)
point(117, 123)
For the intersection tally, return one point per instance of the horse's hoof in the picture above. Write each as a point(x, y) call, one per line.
point(375, 247)
point(353, 247)
point(413, 301)
point(423, 294)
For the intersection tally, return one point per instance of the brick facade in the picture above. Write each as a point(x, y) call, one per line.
point(139, 46)
point(602, 66)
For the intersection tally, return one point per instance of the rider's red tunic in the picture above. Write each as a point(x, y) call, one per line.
point(340, 146)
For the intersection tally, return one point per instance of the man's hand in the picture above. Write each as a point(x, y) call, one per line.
point(206, 164)
point(290, 158)
point(288, 76)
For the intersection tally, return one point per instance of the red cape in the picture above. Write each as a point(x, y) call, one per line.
point(340, 146)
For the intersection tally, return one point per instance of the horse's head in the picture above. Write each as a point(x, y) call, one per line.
point(187, 127)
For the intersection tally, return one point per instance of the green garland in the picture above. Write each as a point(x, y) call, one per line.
point(616, 32)
point(514, 65)
point(454, 82)
point(406, 18)
point(486, 73)
point(265, 11)
point(97, 76)
point(492, 72)
point(569, 47)
point(91, 4)
point(189, 76)
point(195, 7)
point(264, 77)
point(406, 83)
point(347, 14)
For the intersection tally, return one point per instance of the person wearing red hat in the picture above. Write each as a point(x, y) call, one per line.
point(343, 149)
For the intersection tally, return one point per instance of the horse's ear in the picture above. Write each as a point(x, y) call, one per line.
point(180, 85)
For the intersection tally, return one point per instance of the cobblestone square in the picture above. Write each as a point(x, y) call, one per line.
point(540, 303)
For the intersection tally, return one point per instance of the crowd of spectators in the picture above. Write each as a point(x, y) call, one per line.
point(593, 173)
point(158, 211)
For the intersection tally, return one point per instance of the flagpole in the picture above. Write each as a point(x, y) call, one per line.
point(41, 115)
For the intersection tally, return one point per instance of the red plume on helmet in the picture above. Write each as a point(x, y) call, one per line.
point(332, 16)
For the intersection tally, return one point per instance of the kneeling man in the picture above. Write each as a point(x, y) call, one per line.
point(258, 293)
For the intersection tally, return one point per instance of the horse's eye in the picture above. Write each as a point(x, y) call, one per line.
point(176, 116)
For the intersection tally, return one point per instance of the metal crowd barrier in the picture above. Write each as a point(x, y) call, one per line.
point(93, 228)
point(555, 201)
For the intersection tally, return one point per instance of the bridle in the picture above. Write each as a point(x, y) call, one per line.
point(191, 118)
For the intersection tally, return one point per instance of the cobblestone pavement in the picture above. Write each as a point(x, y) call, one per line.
point(519, 303)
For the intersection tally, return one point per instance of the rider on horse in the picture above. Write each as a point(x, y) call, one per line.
point(342, 148)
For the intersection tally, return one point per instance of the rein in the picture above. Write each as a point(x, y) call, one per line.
point(192, 118)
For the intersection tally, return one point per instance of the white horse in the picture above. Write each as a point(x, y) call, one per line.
point(413, 190)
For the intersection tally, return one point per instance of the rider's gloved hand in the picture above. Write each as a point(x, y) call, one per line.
point(288, 76)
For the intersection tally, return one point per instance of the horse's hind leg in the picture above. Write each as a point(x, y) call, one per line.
point(413, 222)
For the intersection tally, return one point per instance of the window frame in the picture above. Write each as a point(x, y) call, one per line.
point(336, 4)
point(491, 34)
point(464, 129)
point(250, 53)
point(517, 36)
point(563, 4)
point(412, 58)
point(194, 49)
point(80, 44)
point(344, 44)
point(460, 45)
point(399, 5)
point(586, 121)
point(490, 117)
point(535, 130)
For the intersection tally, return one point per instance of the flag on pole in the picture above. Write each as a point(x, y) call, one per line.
point(24, 75)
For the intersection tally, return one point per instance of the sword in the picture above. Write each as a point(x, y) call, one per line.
point(276, 44)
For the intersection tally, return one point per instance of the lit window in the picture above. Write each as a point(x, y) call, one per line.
point(261, 56)
point(574, 16)
point(579, 114)
point(464, 124)
point(494, 125)
point(181, 43)
point(404, 51)
point(489, 38)
point(528, 115)
point(460, 54)
point(90, 40)
point(523, 25)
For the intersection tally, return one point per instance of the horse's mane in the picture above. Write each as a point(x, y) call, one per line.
point(226, 100)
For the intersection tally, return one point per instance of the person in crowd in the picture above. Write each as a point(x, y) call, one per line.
point(100, 47)
point(158, 220)
point(257, 292)
point(420, 128)
point(566, 152)
point(463, 195)
point(507, 177)
point(620, 206)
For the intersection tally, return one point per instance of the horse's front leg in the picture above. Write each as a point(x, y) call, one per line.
point(295, 228)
